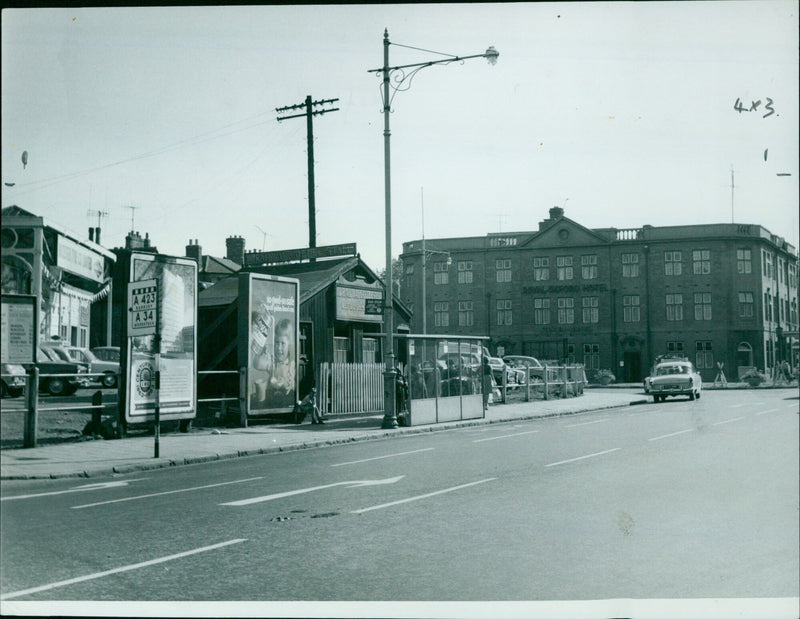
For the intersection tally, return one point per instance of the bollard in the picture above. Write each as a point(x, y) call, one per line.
point(31, 414)
point(546, 382)
point(504, 385)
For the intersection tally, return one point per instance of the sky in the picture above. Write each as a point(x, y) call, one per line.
point(621, 113)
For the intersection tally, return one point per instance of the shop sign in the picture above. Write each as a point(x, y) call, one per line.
point(79, 260)
point(359, 304)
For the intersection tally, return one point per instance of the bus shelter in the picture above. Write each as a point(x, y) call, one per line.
point(445, 377)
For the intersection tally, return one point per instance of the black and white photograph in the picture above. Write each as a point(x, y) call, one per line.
point(457, 309)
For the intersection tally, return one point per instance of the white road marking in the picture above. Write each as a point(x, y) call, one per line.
point(599, 453)
point(586, 423)
point(494, 438)
point(147, 496)
point(118, 570)
point(281, 495)
point(658, 438)
point(422, 496)
point(719, 423)
point(87, 487)
point(739, 405)
point(772, 410)
point(404, 453)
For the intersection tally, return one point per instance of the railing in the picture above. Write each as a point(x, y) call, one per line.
point(350, 388)
point(629, 234)
point(555, 382)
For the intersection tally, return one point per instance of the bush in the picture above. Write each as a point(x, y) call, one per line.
point(753, 377)
point(604, 377)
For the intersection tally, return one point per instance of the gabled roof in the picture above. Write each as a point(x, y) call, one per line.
point(564, 232)
point(217, 266)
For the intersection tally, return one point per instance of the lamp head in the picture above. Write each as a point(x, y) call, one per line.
point(491, 55)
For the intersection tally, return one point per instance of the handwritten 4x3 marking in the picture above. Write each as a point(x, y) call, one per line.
point(754, 107)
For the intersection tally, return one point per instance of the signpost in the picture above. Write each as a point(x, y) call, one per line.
point(143, 321)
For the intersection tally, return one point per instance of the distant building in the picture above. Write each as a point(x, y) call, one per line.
point(613, 298)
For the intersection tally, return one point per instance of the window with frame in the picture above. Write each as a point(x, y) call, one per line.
point(591, 312)
point(564, 267)
point(766, 260)
point(440, 273)
point(746, 305)
point(791, 275)
point(369, 350)
point(630, 265)
point(541, 269)
point(503, 270)
point(465, 271)
point(589, 266)
point(672, 262)
point(566, 310)
point(767, 306)
point(702, 306)
point(466, 315)
point(441, 314)
point(704, 357)
point(591, 356)
point(341, 349)
point(701, 261)
point(541, 311)
point(570, 354)
point(631, 311)
point(504, 316)
point(674, 307)
point(675, 347)
point(781, 268)
point(409, 268)
point(744, 261)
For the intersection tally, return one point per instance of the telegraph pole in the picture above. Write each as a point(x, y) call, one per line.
point(308, 104)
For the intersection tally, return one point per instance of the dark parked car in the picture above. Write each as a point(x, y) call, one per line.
point(106, 353)
point(13, 380)
point(51, 366)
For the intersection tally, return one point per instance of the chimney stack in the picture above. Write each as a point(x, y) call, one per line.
point(194, 251)
point(91, 233)
point(235, 249)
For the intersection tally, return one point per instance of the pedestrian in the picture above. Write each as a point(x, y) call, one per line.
point(486, 381)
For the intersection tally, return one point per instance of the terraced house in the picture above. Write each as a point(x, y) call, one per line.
point(613, 298)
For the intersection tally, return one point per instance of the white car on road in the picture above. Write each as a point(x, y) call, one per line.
point(673, 378)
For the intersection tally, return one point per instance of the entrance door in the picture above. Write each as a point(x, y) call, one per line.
point(633, 367)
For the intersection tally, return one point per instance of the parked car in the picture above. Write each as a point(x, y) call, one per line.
point(500, 367)
point(673, 378)
point(108, 369)
point(522, 363)
point(49, 363)
point(13, 380)
point(106, 353)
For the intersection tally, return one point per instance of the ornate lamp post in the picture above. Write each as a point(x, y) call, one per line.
point(396, 78)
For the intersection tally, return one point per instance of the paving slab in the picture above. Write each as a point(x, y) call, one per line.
point(108, 457)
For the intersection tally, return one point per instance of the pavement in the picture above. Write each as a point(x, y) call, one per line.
point(99, 457)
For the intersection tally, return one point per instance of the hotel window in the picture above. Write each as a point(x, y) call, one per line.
point(781, 268)
point(503, 270)
point(466, 315)
point(591, 356)
point(744, 261)
point(767, 306)
point(541, 269)
point(566, 310)
point(441, 315)
point(465, 271)
point(701, 261)
point(630, 265)
point(541, 311)
point(767, 261)
point(504, 312)
point(630, 308)
point(672, 263)
point(589, 266)
point(440, 274)
point(590, 311)
point(674, 307)
point(564, 267)
point(702, 306)
point(410, 268)
point(341, 349)
point(704, 359)
point(746, 305)
point(675, 347)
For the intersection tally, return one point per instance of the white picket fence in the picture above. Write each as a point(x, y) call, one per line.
point(350, 388)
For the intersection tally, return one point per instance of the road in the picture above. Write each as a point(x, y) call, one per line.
point(674, 500)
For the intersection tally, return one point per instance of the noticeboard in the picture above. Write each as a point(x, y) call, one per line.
point(18, 328)
point(142, 306)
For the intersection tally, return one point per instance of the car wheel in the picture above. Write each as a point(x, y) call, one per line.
point(656, 399)
point(57, 386)
point(109, 380)
point(691, 396)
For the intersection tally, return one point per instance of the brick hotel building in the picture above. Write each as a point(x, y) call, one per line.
point(613, 298)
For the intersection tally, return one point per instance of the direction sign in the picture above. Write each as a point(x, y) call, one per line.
point(142, 300)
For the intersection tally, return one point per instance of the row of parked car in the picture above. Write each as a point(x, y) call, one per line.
point(61, 366)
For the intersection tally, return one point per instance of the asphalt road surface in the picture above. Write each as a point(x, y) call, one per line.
point(673, 500)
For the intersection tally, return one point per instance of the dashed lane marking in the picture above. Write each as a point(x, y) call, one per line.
point(719, 423)
point(494, 438)
point(422, 496)
point(404, 453)
point(599, 453)
point(586, 423)
point(658, 438)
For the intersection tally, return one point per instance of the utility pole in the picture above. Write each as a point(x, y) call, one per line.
point(308, 104)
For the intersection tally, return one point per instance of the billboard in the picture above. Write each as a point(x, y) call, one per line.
point(268, 345)
point(176, 309)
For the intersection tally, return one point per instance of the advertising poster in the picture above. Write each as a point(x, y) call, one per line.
point(272, 344)
point(18, 329)
point(176, 282)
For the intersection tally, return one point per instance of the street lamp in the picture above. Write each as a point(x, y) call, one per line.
point(399, 76)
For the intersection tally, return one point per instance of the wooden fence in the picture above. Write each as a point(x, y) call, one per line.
point(350, 388)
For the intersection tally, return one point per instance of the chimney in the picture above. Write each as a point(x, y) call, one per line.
point(147, 240)
point(91, 233)
point(235, 249)
point(194, 251)
point(556, 212)
point(96, 235)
